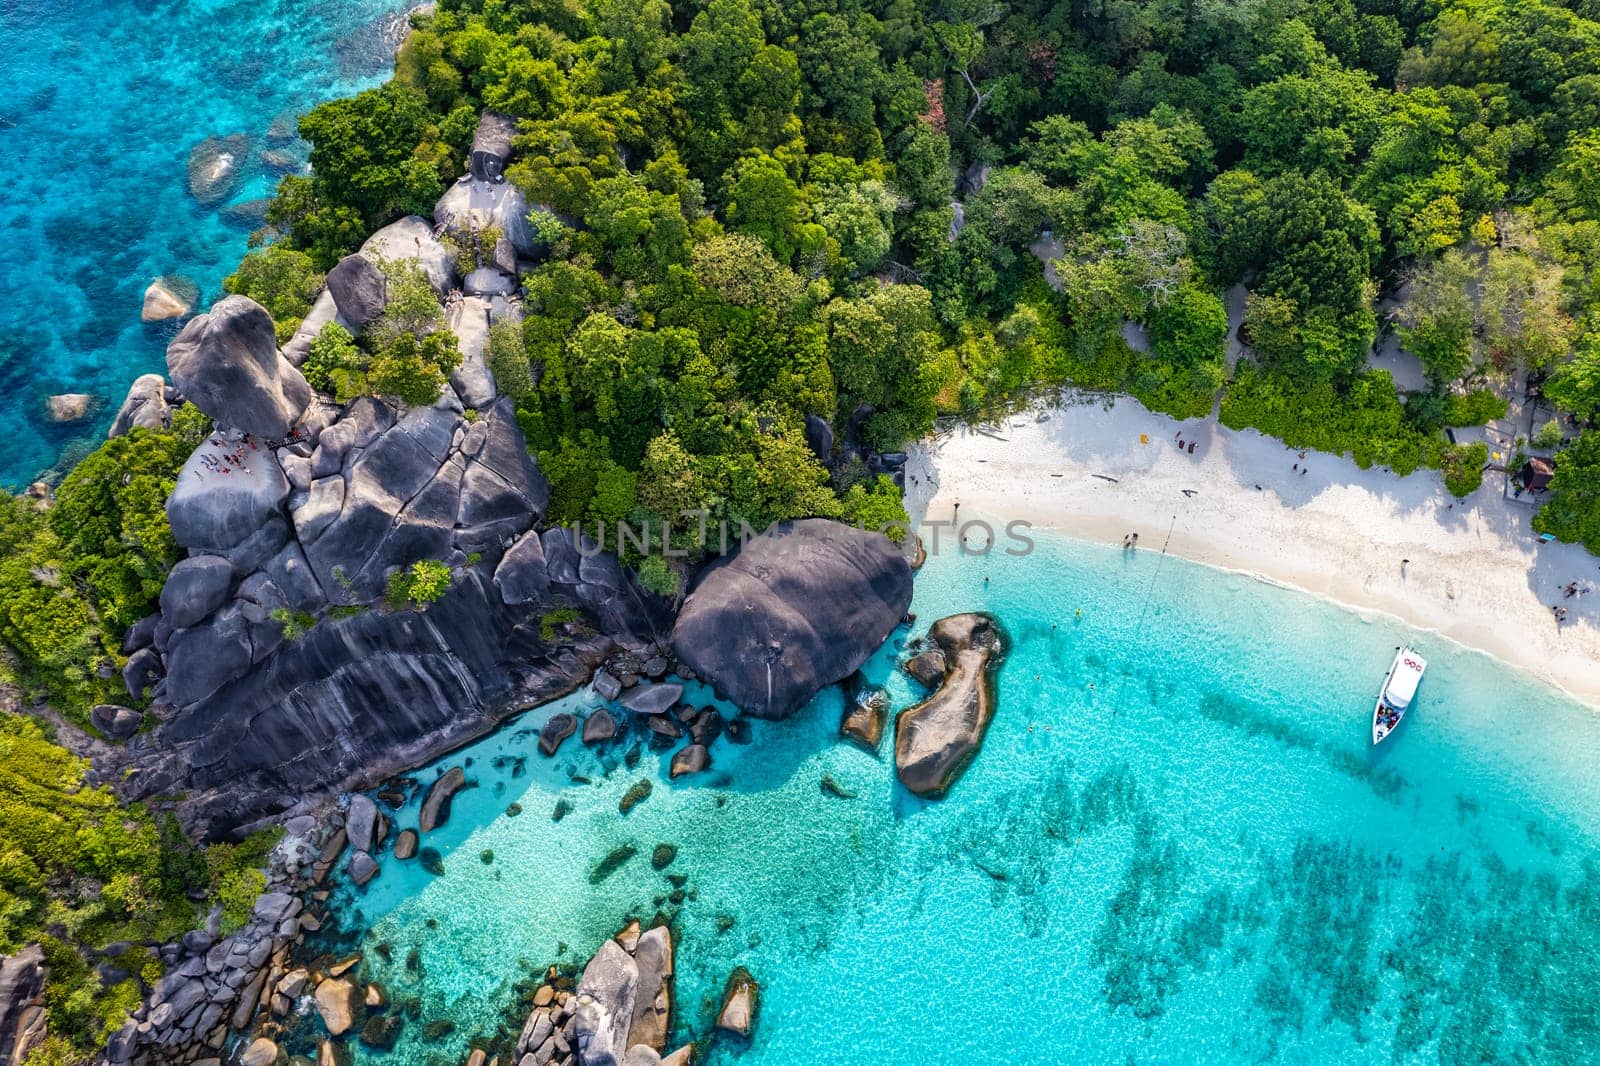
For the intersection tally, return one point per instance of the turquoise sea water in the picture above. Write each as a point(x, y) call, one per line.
point(100, 104)
point(1176, 846)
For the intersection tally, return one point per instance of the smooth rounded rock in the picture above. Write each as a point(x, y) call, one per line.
point(936, 739)
point(195, 588)
point(793, 610)
point(226, 363)
point(167, 297)
point(740, 1001)
point(599, 727)
point(555, 731)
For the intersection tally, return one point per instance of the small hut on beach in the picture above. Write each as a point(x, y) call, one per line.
point(1536, 473)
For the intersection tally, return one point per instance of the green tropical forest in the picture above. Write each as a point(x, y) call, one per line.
point(755, 212)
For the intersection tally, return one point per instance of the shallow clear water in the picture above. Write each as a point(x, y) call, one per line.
point(100, 104)
point(1176, 846)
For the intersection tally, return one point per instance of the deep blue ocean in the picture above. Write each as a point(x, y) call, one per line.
point(1177, 846)
point(100, 104)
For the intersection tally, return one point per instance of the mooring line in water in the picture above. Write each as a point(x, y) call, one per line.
point(1144, 607)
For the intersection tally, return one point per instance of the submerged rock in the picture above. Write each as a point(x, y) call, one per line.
point(637, 793)
point(381, 1031)
point(68, 406)
point(798, 608)
point(216, 167)
point(169, 296)
point(614, 861)
point(936, 739)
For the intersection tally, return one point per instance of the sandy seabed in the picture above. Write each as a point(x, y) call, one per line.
point(1099, 468)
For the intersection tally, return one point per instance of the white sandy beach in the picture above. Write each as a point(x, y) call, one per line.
point(1477, 572)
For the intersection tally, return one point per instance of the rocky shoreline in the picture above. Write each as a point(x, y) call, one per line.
point(279, 672)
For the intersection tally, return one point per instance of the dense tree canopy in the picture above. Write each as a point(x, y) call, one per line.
point(844, 208)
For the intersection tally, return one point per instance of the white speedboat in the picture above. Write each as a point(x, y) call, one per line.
point(1399, 689)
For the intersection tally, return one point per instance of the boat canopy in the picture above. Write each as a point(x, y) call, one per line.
point(1403, 685)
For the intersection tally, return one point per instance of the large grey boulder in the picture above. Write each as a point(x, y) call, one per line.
point(469, 320)
point(324, 310)
point(422, 487)
point(491, 146)
point(796, 608)
point(411, 240)
point(226, 363)
point(471, 206)
point(203, 658)
point(605, 1006)
point(360, 291)
point(521, 576)
point(22, 1019)
point(226, 492)
point(195, 587)
point(936, 739)
point(144, 406)
point(116, 722)
point(361, 822)
point(652, 1001)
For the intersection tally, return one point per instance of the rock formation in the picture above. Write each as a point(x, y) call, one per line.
point(359, 289)
point(471, 206)
point(145, 406)
point(256, 716)
point(411, 239)
point(213, 984)
point(22, 1019)
point(795, 609)
point(936, 739)
point(491, 146)
point(619, 1014)
point(226, 363)
point(864, 719)
point(740, 999)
